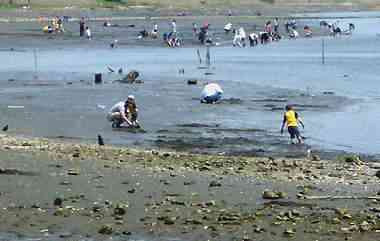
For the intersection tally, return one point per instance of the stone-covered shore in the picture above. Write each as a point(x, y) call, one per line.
point(78, 190)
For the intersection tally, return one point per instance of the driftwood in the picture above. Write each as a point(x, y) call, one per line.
point(340, 197)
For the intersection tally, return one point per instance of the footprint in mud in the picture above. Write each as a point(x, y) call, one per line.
point(228, 101)
point(198, 125)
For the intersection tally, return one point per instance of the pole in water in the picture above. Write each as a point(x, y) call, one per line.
point(323, 51)
point(208, 62)
point(35, 64)
point(199, 56)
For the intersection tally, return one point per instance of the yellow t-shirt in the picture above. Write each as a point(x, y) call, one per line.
point(291, 118)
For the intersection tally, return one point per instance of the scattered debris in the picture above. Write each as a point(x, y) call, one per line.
point(100, 140)
point(192, 82)
point(106, 229)
point(5, 128)
point(58, 201)
point(273, 195)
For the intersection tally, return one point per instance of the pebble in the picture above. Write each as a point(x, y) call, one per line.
point(215, 184)
point(120, 210)
point(377, 174)
point(336, 221)
point(65, 183)
point(133, 190)
point(106, 229)
point(289, 232)
point(58, 201)
point(73, 172)
point(192, 82)
point(315, 158)
point(273, 195)
point(188, 183)
point(127, 233)
point(375, 209)
point(119, 222)
point(258, 229)
point(65, 235)
point(364, 226)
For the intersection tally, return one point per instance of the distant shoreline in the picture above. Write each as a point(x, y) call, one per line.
point(74, 19)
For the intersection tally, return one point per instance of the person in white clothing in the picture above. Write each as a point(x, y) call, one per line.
point(118, 114)
point(154, 32)
point(253, 39)
point(227, 28)
point(242, 35)
point(211, 93)
point(294, 34)
point(174, 26)
point(88, 33)
point(237, 39)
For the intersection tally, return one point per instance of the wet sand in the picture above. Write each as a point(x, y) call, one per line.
point(64, 82)
point(63, 190)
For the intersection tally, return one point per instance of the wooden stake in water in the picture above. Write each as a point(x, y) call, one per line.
point(323, 51)
point(208, 62)
point(35, 64)
point(199, 56)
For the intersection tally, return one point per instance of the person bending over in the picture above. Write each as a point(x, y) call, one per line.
point(118, 114)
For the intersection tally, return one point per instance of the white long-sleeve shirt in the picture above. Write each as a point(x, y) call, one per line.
point(210, 90)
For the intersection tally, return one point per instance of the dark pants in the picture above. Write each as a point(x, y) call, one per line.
point(133, 117)
point(294, 132)
point(252, 42)
point(212, 99)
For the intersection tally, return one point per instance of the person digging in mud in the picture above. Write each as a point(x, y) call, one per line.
point(124, 112)
point(291, 119)
point(211, 93)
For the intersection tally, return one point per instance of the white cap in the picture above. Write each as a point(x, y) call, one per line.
point(132, 97)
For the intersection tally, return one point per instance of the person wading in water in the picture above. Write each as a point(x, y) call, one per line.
point(291, 120)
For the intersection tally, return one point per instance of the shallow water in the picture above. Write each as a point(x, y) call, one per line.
point(280, 70)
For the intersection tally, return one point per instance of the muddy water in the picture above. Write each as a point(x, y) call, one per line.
point(257, 82)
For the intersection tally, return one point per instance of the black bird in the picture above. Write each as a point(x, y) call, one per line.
point(5, 128)
point(100, 140)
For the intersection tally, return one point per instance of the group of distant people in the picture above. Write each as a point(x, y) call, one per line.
point(171, 38)
point(55, 25)
point(270, 33)
point(335, 30)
